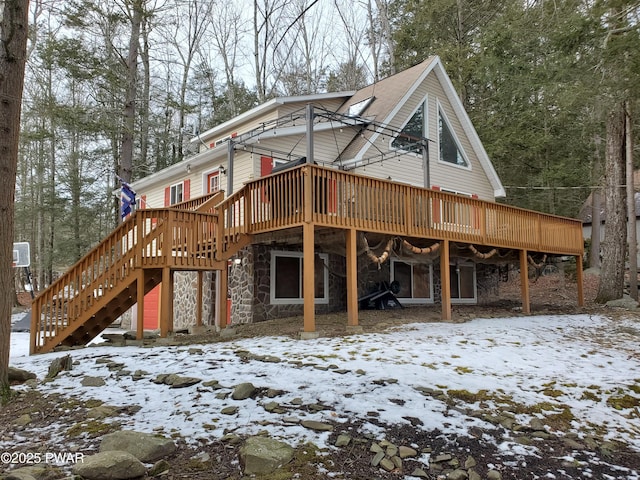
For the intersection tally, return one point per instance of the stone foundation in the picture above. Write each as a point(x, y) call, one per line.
point(185, 291)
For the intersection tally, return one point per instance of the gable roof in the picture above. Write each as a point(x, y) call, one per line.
point(389, 95)
point(393, 92)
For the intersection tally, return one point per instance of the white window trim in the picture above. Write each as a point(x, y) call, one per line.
point(441, 112)
point(205, 177)
point(295, 301)
point(425, 125)
point(467, 301)
point(172, 195)
point(420, 301)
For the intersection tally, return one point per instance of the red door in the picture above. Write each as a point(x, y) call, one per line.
point(151, 309)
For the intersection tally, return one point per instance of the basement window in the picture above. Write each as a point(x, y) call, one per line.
point(287, 274)
point(415, 280)
point(463, 283)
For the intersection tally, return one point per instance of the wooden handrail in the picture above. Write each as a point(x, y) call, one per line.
point(348, 200)
point(150, 238)
point(203, 233)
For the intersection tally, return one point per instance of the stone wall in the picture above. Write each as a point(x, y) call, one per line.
point(185, 291)
point(241, 286)
point(263, 309)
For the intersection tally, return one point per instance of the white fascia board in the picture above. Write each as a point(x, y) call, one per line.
point(265, 107)
point(178, 170)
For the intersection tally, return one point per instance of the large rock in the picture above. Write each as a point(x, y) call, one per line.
point(112, 465)
point(146, 447)
point(17, 375)
point(243, 391)
point(263, 455)
point(627, 303)
point(58, 365)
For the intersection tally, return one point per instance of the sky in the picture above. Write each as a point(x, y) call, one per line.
point(579, 361)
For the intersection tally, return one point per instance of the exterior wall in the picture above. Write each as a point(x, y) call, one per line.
point(409, 168)
point(261, 308)
point(185, 291)
point(242, 287)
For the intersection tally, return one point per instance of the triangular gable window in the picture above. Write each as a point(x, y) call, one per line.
point(411, 133)
point(450, 152)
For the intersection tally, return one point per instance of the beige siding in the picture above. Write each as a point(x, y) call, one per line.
point(470, 181)
point(409, 168)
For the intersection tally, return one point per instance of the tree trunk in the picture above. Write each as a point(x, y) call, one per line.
point(596, 225)
point(13, 42)
point(126, 156)
point(614, 244)
point(631, 207)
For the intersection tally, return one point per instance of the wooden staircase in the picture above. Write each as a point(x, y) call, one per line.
point(105, 283)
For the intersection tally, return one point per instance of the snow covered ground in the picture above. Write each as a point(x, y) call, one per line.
point(533, 366)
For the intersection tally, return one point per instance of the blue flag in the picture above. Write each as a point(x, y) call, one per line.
point(127, 199)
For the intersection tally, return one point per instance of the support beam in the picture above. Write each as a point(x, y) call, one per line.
point(445, 279)
point(140, 304)
point(166, 302)
point(308, 282)
point(230, 160)
point(199, 299)
point(580, 280)
point(223, 290)
point(310, 116)
point(524, 282)
point(352, 278)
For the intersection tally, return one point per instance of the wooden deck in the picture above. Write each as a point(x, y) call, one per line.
point(203, 233)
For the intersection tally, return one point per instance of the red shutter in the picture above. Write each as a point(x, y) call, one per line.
point(266, 166)
point(167, 196)
point(186, 190)
point(143, 201)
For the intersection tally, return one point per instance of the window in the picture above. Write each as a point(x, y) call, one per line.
point(176, 193)
point(463, 283)
point(414, 280)
point(287, 274)
point(414, 130)
point(450, 151)
point(213, 182)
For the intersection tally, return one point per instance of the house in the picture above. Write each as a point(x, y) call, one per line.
point(587, 216)
point(306, 204)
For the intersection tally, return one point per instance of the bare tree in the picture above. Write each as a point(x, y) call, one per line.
point(190, 21)
point(126, 159)
point(13, 40)
point(227, 28)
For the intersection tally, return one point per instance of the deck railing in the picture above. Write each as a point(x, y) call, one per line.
point(204, 237)
point(341, 199)
point(150, 238)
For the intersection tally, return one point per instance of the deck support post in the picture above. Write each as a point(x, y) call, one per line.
point(352, 278)
point(199, 299)
point(166, 302)
point(223, 290)
point(445, 279)
point(308, 282)
point(524, 282)
point(580, 280)
point(140, 304)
